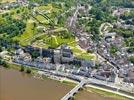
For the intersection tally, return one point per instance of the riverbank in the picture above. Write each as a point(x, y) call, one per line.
point(17, 85)
point(69, 82)
point(108, 94)
point(95, 95)
point(105, 92)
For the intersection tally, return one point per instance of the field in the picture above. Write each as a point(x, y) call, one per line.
point(109, 94)
point(4, 1)
point(42, 29)
point(31, 31)
point(96, 94)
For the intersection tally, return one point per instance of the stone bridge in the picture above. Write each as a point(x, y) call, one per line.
point(70, 94)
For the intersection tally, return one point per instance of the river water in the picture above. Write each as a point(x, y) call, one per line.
point(15, 85)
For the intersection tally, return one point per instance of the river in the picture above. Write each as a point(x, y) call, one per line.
point(15, 85)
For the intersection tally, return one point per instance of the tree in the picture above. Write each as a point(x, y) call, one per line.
point(130, 50)
point(28, 70)
point(22, 68)
point(90, 51)
point(12, 27)
point(1, 61)
point(35, 54)
point(131, 59)
point(0, 49)
point(5, 65)
point(18, 11)
point(113, 49)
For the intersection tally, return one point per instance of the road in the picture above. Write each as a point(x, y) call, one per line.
point(74, 17)
point(102, 59)
point(97, 82)
point(102, 26)
point(101, 85)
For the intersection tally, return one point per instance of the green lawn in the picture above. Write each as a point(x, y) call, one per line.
point(79, 52)
point(42, 19)
point(87, 56)
point(49, 8)
point(46, 7)
point(69, 83)
point(104, 93)
point(55, 40)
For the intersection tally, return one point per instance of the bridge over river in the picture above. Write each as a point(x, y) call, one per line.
point(74, 90)
point(106, 87)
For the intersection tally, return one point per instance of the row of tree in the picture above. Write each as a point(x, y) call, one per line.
point(28, 70)
point(12, 27)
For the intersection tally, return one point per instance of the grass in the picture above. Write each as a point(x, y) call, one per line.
point(46, 7)
point(58, 40)
point(14, 66)
point(79, 52)
point(49, 8)
point(109, 94)
point(87, 56)
point(54, 40)
point(69, 83)
point(42, 19)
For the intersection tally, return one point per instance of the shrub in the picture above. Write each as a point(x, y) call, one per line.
point(28, 70)
point(22, 68)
